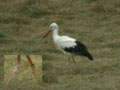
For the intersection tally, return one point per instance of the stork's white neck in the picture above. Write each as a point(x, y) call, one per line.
point(55, 34)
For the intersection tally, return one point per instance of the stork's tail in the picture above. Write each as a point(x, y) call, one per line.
point(89, 56)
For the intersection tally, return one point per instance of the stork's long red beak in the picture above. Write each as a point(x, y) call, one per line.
point(46, 34)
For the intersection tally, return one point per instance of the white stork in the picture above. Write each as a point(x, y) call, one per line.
point(68, 45)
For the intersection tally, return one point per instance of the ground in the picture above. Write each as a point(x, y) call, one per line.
point(96, 23)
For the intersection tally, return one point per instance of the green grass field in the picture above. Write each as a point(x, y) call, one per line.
point(96, 23)
point(1, 69)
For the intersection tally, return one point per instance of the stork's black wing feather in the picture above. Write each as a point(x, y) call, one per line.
point(79, 49)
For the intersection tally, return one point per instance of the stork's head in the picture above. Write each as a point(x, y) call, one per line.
point(52, 27)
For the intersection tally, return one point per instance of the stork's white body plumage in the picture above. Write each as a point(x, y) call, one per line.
point(62, 42)
point(67, 44)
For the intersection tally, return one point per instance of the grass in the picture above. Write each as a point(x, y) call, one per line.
point(1, 68)
point(94, 22)
point(1, 71)
point(25, 76)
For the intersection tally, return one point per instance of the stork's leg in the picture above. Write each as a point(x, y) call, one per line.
point(68, 60)
point(16, 71)
point(73, 59)
point(32, 65)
